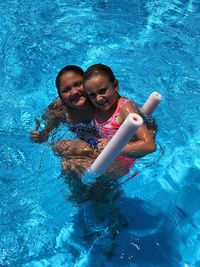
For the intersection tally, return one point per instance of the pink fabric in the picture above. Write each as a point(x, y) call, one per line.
point(108, 128)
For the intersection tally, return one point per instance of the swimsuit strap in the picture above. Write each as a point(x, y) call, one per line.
point(121, 103)
point(109, 127)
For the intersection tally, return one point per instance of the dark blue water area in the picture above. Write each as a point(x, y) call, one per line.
point(152, 220)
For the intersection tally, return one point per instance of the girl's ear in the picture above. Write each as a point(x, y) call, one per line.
point(115, 85)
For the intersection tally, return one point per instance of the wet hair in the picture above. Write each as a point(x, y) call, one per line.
point(100, 69)
point(68, 68)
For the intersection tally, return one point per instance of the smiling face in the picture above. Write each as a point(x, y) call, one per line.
point(71, 90)
point(102, 93)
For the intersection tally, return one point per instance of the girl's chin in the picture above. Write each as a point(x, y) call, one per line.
point(104, 107)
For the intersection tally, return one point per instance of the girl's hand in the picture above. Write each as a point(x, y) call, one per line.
point(39, 137)
point(102, 143)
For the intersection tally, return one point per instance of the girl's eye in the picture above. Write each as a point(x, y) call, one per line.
point(66, 90)
point(102, 91)
point(78, 84)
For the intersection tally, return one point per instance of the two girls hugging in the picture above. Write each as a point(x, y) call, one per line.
point(90, 103)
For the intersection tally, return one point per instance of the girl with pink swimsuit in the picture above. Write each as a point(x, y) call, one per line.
point(111, 111)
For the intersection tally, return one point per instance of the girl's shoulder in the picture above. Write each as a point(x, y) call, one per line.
point(127, 103)
point(125, 107)
point(56, 110)
point(57, 104)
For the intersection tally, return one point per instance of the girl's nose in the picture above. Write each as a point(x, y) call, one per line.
point(75, 90)
point(99, 98)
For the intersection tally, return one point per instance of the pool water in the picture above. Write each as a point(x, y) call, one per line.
point(152, 220)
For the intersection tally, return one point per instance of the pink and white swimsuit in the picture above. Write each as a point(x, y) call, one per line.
point(108, 128)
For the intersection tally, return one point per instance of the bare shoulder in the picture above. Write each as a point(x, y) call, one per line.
point(55, 110)
point(57, 103)
point(128, 107)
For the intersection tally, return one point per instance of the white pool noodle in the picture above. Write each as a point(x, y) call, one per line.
point(115, 145)
point(151, 103)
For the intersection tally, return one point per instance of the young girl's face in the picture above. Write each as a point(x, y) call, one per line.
point(102, 93)
point(71, 90)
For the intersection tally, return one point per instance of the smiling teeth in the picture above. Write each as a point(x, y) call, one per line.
point(76, 97)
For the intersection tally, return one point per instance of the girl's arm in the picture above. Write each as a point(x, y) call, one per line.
point(53, 116)
point(143, 142)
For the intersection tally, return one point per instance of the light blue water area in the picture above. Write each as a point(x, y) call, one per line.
point(153, 220)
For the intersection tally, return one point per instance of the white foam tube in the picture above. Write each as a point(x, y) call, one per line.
point(151, 103)
point(115, 145)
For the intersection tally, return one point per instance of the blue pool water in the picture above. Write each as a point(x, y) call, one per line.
point(154, 220)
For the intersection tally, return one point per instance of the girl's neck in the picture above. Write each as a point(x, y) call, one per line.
point(82, 114)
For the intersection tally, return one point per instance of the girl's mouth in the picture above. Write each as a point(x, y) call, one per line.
point(77, 98)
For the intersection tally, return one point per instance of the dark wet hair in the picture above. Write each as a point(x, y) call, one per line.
point(68, 68)
point(99, 69)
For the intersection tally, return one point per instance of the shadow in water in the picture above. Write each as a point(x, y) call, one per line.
point(114, 230)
